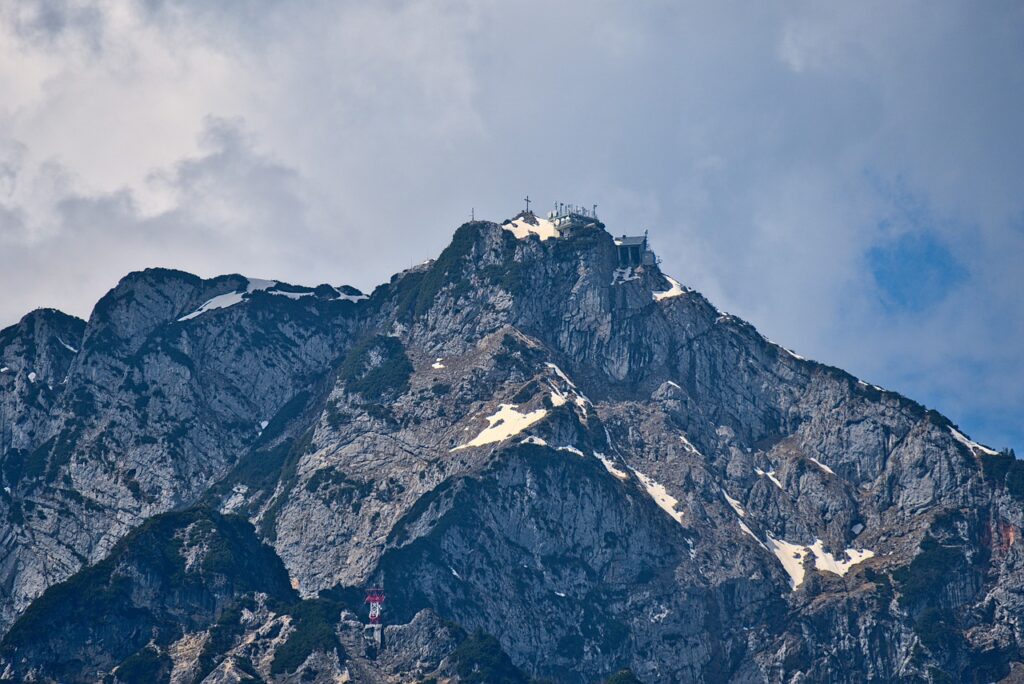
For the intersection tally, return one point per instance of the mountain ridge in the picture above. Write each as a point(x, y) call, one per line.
point(367, 442)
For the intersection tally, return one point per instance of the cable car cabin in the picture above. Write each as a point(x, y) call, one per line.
point(633, 251)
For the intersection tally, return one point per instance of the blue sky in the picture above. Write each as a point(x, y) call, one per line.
point(846, 176)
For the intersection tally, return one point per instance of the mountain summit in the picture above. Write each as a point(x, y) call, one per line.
point(553, 459)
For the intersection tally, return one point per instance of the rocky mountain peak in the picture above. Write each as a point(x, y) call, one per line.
point(557, 460)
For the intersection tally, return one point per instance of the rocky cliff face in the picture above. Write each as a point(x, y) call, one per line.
point(555, 466)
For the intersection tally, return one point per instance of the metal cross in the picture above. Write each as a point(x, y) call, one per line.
point(527, 200)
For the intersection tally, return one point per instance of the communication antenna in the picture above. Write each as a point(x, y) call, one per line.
point(472, 213)
point(375, 597)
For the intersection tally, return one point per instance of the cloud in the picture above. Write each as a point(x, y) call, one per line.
point(844, 176)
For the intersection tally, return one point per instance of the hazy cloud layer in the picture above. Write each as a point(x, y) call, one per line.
point(848, 178)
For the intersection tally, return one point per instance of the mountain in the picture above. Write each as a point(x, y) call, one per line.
point(557, 463)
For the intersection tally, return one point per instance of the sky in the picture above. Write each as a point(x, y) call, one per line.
point(849, 177)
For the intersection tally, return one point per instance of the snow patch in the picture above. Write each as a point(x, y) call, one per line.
point(624, 275)
point(506, 422)
point(971, 444)
point(610, 466)
point(770, 474)
point(792, 558)
point(454, 573)
point(560, 374)
point(352, 298)
point(827, 562)
point(543, 229)
point(534, 440)
point(558, 397)
point(290, 295)
point(32, 376)
point(689, 445)
point(4, 369)
point(67, 346)
point(735, 504)
point(437, 365)
point(674, 384)
point(661, 496)
point(230, 299)
point(673, 291)
point(746, 531)
point(572, 450)
point(822, 466)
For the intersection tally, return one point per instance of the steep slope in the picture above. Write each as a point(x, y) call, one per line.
point(152, 406)
point(177, 573)
point(591, 463)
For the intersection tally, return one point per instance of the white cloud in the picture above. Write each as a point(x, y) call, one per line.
point(759, 144)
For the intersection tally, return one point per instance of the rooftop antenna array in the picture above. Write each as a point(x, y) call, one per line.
point(574, 211)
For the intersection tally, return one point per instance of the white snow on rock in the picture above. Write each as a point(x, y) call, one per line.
point(827, 562)
point(4, 369)
point(521, 228)
point(624, 275)
point(560, 374)
point(736, 506)
point(792, 558)
point(572, 450)
point(822, 466)
point(534, 440)
point(770, 474)
point(577, 398)
point(437, 365)
point(673, 291)
point(749, 533)
point(674, 384)
point(971, 444)
point(290, 295)
point(689, 445)
point(67, 346)
point(258, 285)
point(610, 466)
point(32, 376)
point(661, 496)
point(231, 298)
point(504, 424)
